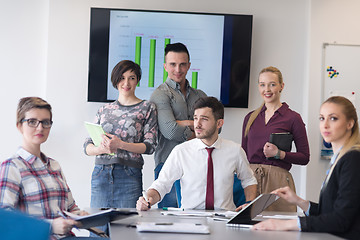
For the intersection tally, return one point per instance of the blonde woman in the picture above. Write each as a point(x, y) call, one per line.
point(338, 210)
point(31, 181)
point(271, 165)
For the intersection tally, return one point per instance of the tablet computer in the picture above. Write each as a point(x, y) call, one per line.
point(246, 215)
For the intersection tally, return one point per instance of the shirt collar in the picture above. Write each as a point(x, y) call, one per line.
point(176, 85)
point(30, 158)
point(200, 145)
point(284, 107)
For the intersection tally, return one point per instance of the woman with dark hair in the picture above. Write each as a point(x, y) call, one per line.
point(270, 164)
point(131, 130)
point(338, 210)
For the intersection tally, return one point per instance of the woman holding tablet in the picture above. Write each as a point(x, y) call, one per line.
point(270, 164)
point(131, 130)
point(338, 210)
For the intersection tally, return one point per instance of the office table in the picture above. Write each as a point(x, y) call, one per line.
point(125, 229)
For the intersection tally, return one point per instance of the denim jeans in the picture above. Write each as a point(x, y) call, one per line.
point(115, 186)
point(173, 198)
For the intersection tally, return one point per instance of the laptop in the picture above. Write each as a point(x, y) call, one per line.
point(245, 218)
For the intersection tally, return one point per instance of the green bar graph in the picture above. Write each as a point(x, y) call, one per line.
point(167, 41)
point(152, 62)
point(138, 52)
point(194, 80)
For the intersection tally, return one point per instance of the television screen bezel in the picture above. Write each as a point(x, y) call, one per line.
point(99, 50)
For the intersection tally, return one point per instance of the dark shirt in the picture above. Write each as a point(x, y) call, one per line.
point(283, 120)
point(338, 211)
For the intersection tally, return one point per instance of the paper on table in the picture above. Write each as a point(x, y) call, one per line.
point(95, 131)
point(188, 213)
point(282, 216)
point(172, 227)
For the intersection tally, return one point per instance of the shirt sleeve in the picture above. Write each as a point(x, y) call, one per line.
point(166, 119)
point(302, 154)
point(340, 212)
point(244, 172)
point(170, 172)
point(10, 181)
point(150, 130)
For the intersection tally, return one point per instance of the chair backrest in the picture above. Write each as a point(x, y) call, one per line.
point(17, 225)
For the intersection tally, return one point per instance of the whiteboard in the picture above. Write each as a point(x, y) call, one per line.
point(341, 72)
point(340, 77)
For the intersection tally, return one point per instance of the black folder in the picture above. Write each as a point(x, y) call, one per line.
point(102, 217)
point(282, 140)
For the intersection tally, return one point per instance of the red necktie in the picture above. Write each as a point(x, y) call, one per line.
point(209, 201)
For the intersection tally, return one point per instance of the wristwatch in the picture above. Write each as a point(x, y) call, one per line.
point(277, 156)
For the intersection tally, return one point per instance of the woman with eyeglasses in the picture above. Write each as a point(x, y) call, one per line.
point(32, 182)
point(338, 210)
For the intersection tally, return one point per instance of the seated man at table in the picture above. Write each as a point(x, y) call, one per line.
point(204, 165)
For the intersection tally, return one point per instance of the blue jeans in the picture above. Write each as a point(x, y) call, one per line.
point(115, 186)
point(173, 198)
point(238, 192)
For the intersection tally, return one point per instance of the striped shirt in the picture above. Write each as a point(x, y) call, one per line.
point(34, 187)
point(172, 105)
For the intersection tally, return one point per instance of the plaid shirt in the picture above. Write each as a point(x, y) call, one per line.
point(34, 187)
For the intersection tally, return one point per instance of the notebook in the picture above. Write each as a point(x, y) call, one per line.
point(95, 131)
point(246, 215)
point(102, 217)
point(170, 227)
point(282, 140)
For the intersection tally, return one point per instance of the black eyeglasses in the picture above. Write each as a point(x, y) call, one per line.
point(33, 122)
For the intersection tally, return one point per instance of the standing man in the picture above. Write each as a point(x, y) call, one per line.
point(205, 165)
point(174, 100)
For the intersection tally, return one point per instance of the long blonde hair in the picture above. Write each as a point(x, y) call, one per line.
point(348, 109)
point(256, 112)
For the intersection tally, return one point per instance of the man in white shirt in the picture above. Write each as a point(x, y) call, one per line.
point(189, 163)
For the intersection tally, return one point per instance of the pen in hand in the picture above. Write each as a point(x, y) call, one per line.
point(65, 217)
point(144, 195)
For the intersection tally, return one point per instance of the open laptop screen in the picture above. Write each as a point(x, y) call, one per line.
point(247, 214)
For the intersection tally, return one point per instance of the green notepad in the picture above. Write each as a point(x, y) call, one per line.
point(95, 131)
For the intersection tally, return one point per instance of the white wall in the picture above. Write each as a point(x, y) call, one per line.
point(56, 50)
point(23, 47)
point(331, 21)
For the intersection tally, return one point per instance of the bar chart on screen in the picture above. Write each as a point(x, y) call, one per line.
point(142, 39)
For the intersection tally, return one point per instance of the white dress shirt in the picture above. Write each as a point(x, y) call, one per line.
point(188, 162)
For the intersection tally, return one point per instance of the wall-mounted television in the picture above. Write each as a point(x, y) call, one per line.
point(219, 46)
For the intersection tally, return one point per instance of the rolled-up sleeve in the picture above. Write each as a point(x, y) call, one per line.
point(244, 172)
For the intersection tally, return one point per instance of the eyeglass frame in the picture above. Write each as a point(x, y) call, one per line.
point(38, 122)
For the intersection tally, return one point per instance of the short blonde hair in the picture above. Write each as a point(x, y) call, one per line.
point(27, 103)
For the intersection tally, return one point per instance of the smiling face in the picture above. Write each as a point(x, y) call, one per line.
point(334, 126)
point(270, 87)
point(127, 83)
point(34, 136)
point(177, 65)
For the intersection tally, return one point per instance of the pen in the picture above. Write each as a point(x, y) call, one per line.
point(65, 217)
point(144, 195)
point(173, 209)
